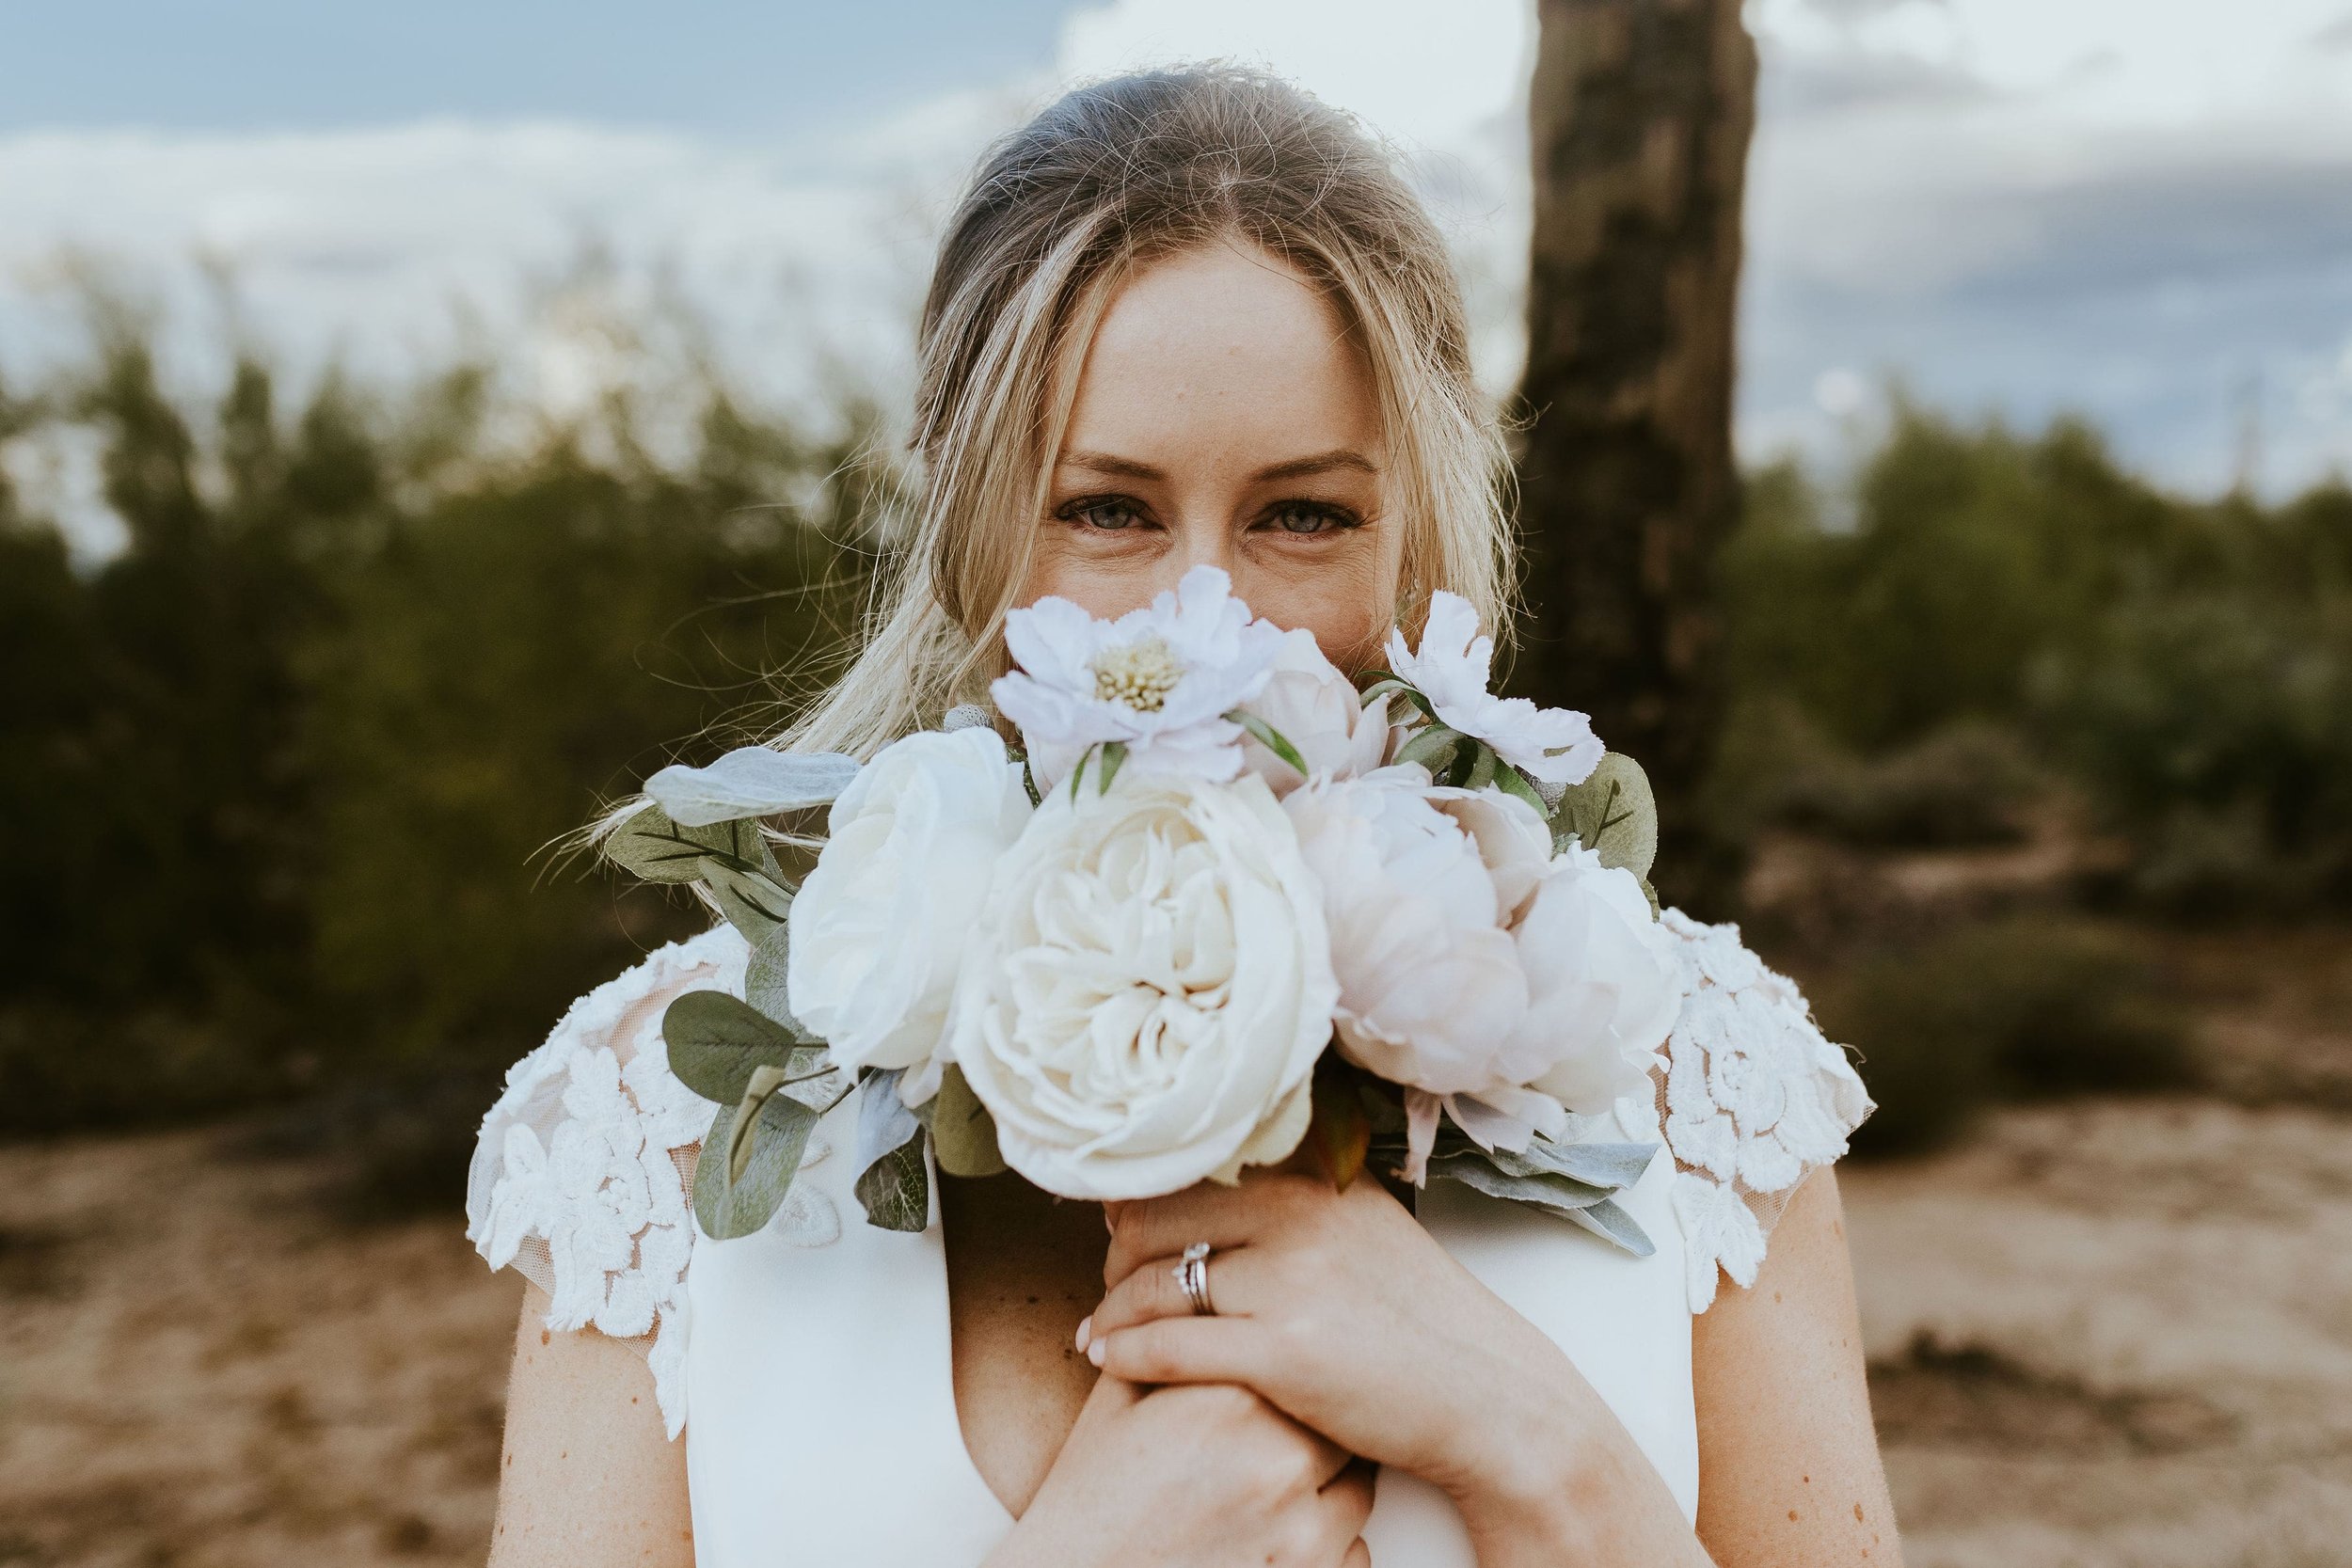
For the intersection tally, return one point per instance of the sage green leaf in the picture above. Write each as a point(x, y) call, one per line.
point(749, 781)
point(1476, 763)
point(1615, 1166)
point(1433, 747)
point(1611, 1223)
point(1558, 1196)
point(765, 988)
point(716, 1041)
point(964, 1135)
point(1545, 1189)
point(729, 1206)
point(1512, 782)
point(1612, 813)
point(653, 848)
point(764, 1082)
point(1268, 736)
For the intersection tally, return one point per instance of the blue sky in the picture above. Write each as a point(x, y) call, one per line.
point(2137, 210)
point(736, 68)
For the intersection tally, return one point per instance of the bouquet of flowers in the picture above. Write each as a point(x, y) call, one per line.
point(1222, 907)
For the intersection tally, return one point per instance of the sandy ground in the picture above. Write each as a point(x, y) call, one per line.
point(2103, 1333)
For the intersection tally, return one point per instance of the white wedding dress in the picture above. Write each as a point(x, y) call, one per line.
point(812, 1357)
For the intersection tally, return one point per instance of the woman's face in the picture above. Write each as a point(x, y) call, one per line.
point(1225, 418)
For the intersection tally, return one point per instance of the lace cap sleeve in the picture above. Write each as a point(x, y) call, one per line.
point(581, 1176)
point(1753, 1098)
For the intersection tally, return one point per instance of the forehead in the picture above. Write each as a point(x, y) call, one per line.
point(1219, 350)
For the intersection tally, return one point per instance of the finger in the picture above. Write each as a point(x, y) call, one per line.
point(1358, 1555)
point(1347, 1497)
point(1191, 1349)
point(1207, 1211)
point(1152, 1292)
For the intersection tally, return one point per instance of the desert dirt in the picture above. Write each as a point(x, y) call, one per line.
point(2106, 1334)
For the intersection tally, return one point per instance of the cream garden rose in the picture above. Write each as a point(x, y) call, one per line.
point(1149, 989)
point(878, 928)
point(1475, 969)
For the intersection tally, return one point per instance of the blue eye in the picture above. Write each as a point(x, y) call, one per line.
point(1308, 517)
point(1111, 516)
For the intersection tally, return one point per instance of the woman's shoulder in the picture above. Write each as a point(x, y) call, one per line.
point(1752, 1097)
point(582, 1173)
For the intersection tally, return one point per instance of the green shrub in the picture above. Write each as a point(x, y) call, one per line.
point(2031, 1006)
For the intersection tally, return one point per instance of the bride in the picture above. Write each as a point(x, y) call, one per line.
point(1182, 318)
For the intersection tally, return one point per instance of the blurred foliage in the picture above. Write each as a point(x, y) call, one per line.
point(1989, 620)
point(284, 772)
point(2031, 1006)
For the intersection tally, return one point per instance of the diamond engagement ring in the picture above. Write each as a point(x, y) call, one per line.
point(1192, 1278)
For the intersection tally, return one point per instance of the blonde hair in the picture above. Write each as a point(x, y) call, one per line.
point(1103, 181)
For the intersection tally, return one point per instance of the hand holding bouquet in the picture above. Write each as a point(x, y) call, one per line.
point(1219, 905)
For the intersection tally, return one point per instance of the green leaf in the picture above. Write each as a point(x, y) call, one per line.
point(1611, 1223)
point(1512, 782)
point(895, 1190)
point(1433, 747)
point(1387, 683)
point(717, 1042)
point(1612, 813)
point(1615, 1166)
point(729, 1205)
point(764, 1082)
point(964, 1135)
point(1271, 738)
point(1114, 753)
point(1560, 1196)
point(765, 987)
point(1476, 765)
point(731, 859)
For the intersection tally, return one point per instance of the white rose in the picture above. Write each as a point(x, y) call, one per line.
point(878, 928)
point(1430, 983)
point(1319, 711)
point(1150, 989)
point(1603, 987)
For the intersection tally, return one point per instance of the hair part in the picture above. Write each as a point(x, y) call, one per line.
point(1109, 179)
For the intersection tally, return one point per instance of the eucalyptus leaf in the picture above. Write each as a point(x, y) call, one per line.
point(764, 1082)
point(751, 780)
point(1387, 683)
point(730, 1206)
point(1615, 1166)
point(1478, 767)
point(964, 1135)
point(716, 1041)
point(1612, 813)
point(764, 985)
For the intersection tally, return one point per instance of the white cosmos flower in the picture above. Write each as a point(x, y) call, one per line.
point(1553, 745)
point(1147, 989)
point(878, 928)
point(1319, 711)
point(1158, 680)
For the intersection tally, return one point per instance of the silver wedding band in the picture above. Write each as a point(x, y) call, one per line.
point(1192, 1278)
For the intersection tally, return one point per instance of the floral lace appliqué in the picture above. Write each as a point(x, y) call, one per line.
point(1754, 1097)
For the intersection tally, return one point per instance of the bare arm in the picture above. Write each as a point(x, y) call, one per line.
point(587, 1479)
point(1788, 1461)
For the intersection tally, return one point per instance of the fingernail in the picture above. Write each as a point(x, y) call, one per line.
point(1085, 1331)
point(1094, 1352)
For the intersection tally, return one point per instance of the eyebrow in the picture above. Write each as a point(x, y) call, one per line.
point(1297, 467)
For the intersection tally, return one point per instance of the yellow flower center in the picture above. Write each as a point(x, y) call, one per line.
point(1140, 675)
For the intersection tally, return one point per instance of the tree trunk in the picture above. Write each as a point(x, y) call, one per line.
point(1640, 119)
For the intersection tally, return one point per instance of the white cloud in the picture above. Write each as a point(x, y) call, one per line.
point(2137, 207)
